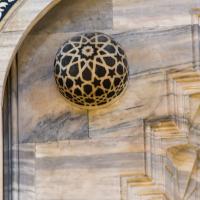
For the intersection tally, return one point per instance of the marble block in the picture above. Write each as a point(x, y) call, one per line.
point(86, 168)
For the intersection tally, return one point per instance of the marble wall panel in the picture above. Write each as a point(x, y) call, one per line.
point(129, 14)
point(77, 184)
point(125, 117)
point(86, 169)
point(194, 135)
point(146, 47)
point(156, 48)
point(47, 112)
point(44, 114)
point(78, 15)
point(146, 50)
point(88, 147)
point(81, 155)
point(26, 188)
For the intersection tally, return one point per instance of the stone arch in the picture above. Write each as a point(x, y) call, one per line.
point(14, 31)
point(155, 128)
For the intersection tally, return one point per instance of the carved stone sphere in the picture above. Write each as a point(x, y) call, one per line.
point(91, 70)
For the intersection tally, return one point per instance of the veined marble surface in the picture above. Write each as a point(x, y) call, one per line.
point(133, 14)
point(93, 166)
point(67, 153)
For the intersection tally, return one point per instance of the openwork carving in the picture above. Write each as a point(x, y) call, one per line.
point(5, 6)
point(91, 69)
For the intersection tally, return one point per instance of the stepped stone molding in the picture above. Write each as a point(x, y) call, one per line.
point(140, 187)
point(160, 134)
point(169, 157)
point(166, 145)
point(181, 171)
point(184, 99)
point(166, 141)
point(183, 87)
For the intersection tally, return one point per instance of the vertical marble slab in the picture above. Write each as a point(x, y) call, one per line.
point(27, 172)
point(10, 130)
point(7, 143)
point(196, 36)
point(194, 135)
point(14, 130)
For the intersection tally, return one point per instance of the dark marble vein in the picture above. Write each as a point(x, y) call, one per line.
point(55, 128)
point(119, 160)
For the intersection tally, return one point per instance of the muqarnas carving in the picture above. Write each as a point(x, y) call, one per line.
point(91, 70)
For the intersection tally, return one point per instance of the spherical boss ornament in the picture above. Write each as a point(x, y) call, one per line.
point(91, 70)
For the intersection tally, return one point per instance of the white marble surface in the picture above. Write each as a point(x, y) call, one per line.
point(78, 155)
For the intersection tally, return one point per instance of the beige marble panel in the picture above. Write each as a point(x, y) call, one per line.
point(113, 142)
point(9, 38)
point(77, 184)
point(89, 147)
point(129, 14)
point(78, 16)
point(6, 52)
point(35, 75)
point(182, 168)
point(118, 155)
point(86, 169)
point(148, 48)
point(26, 187)
point(156, 48)
point(44, 115)
point(124, 117)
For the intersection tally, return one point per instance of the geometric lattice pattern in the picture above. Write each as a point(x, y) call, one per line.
point(5, 6)
point(91, 70)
